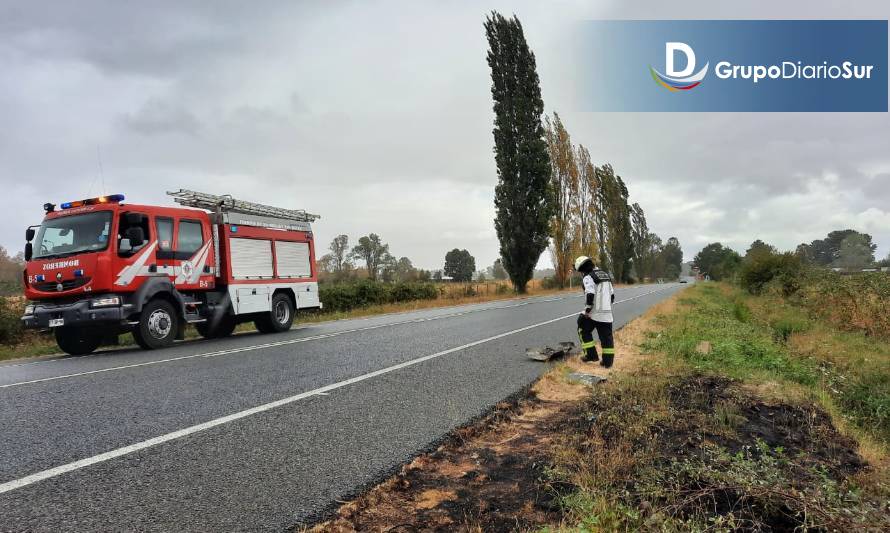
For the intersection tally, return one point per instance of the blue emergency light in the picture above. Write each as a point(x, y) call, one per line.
point(110, 199)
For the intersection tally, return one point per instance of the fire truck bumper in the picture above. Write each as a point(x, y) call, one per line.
point(80, 313)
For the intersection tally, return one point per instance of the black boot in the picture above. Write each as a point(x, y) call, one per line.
point(608, 359)
point(590, 356)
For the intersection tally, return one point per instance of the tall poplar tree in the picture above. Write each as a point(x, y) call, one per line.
point(522, 196)
point(640, 239)
point(619, 246)
point(564, 186)
point(587, 240)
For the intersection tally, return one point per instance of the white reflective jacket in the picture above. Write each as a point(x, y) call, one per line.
point(599, 284)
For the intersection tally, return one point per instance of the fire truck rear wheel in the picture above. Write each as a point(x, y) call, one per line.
point(158, 325)
point(280, 319)
point(78, 341)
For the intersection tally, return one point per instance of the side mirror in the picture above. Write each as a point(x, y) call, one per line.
point(135, 235)
point(29, 251)
point(29, 234)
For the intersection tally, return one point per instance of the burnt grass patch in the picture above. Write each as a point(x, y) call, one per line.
point(802, 432)
point(644, 452)
point(488, 476)
point(695, 452)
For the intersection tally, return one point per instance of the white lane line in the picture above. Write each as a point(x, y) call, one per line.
point(279, 343)
point(472, 308)
point(268, 344)
point(125, 450)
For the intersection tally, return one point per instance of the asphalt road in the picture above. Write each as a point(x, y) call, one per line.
point(260, 432)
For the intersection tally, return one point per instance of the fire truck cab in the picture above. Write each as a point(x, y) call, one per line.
point(98, 268)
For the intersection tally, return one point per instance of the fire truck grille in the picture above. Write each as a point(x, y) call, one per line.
point(67, 285)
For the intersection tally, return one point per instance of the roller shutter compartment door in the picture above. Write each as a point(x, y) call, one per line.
point(251, 258)
point(293, 259)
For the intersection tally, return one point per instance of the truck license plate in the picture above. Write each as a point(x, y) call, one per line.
point(56, 322)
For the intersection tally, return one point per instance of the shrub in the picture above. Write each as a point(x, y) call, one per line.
point(365, 292)
point(740, 311)
point(855, 302)
point(786, 324)
point(549, 283)
point(11, 331)
point(10, 288)
point(766, 267)
point(867, 398)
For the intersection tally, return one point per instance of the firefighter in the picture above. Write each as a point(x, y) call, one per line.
point(597, 314)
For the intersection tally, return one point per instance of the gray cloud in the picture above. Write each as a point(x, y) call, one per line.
point(378, 116)
point(160, 118)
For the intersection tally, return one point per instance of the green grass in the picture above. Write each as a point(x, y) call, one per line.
point(740, 348)
point(766, 338)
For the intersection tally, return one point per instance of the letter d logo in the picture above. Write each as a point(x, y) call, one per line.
point(670, 50)
point(675, 80)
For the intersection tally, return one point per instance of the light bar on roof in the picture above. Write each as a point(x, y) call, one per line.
point(109, 199)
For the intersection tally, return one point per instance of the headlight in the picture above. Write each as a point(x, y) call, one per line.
point(106, 301)
point(29, 309)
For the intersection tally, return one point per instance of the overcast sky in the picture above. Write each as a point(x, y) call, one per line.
point(377, 115)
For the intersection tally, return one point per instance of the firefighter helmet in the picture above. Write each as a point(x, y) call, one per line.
point(580, 262)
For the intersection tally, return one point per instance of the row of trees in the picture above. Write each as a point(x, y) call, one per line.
point(549, 192)
point(848, 249)
point(372, 258)
point(843, 249)
point(592, 217)
point(341, 263)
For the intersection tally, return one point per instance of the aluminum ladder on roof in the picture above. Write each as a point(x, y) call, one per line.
point(226, 204)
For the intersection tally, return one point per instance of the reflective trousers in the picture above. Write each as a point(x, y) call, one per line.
point(586, 326)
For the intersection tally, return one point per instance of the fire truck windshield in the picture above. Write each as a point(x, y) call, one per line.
point(73, 235)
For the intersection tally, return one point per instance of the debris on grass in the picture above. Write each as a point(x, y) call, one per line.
point(546, 353)
point(587, 379)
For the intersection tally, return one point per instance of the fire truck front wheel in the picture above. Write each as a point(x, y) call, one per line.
point(78, 341)
point(280, 319)
point(158, 325)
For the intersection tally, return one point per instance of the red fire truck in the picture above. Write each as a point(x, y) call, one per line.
point(98, 268)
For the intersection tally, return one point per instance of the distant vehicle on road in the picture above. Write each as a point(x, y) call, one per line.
point(98, 267)
point(684, 280)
